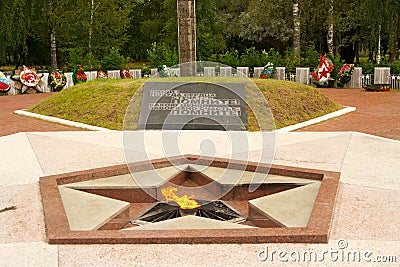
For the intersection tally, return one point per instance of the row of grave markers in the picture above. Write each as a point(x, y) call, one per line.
point(381, 75)
point(91, 75)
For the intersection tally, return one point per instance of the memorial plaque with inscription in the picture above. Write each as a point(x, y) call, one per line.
point(193, 106)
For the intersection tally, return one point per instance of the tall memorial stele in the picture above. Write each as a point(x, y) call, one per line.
point(187, 37)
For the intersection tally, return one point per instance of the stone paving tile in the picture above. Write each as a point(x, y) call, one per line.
point(18, 164)
point(28, 254)
point(111, 139)
point(372, 162)
point(291, 208)
point(357, 253)
point(57, 155)
point(363, 213)
point(26, 222)
point(327, 153)
point(12, 123)
point(188, 223)
point(87, 211)
point(174, 255)
point(377, 113)
point(288, 138)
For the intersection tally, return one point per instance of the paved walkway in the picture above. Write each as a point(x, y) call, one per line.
point(377, 113)
point(11, 123)
point(365, 216)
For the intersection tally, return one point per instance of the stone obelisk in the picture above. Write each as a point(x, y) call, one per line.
point(187, 36)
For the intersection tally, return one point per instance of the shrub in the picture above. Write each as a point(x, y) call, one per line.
point(395, 67)
point(74, 57)
point(113, 60)
point(92, 62)
point(292, 61)
point(208, 44)
point(161, 54)
point(251, 58)
point(338, 63)
point(367, 68)
point(311, 57)
point(230, 58)
point(274, 57)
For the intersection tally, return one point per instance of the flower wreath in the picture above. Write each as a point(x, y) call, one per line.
point(268, 71)
point(164, 71)
point(79, 76)
point(322, 74)
point(344, 75)
point(57, 81)
point(101, 75)
point(5, 85)
point(125, 74)
point(29, 77)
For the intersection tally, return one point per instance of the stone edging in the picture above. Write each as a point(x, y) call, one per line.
point(62, 121)
point(95, 128)
point(316, 120)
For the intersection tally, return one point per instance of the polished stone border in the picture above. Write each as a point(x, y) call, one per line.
point(62, 121)
point(317, 231)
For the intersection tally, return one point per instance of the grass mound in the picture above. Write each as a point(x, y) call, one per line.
point(103, 103)
point(293, 103)
point(100, 103)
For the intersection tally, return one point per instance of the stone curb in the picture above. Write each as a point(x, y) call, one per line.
point(62, 121)
point(95, 128)
point(316, 120)
point(378, 137)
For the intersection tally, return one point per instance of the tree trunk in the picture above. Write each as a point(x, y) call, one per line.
point(357, 48)
point(20, 57)
point(93, 9)
point(53, 43)
point(53, 48)
point(330, 29)
point(296, 28)
point(394, 43)
point(91, 25)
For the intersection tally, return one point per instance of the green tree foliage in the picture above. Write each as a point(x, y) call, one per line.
point(311, 57)
point(264, 19)
point(94, 25)
point(234, 31)
point(161, 54)
point(210, 29)
point(19, 29)
point(113, 60)
point(152, 21)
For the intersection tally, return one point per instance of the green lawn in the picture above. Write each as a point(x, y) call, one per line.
point(104, 102)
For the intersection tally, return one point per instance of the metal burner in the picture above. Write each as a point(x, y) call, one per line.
point(217, 210)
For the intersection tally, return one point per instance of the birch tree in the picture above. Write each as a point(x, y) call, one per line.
point(330, 28)
point(296, 28)
point(53, 41)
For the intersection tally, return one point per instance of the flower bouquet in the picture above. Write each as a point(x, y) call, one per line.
point(101, 75)
point(78, 75)
point(377, 87)
point(125, 74)
point(57, 80)
point(27, 79)
point(344, 75)
point(164, 71)
point(322, 74)
point(5, 85)
point(268, 71)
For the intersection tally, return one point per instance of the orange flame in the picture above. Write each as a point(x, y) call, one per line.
point(185, 202)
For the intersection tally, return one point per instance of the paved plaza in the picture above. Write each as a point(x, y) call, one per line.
point(365, 219)
point(377, 113)
point(12, 123)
